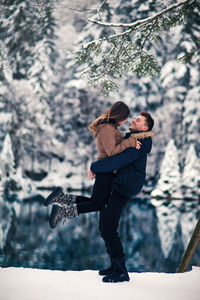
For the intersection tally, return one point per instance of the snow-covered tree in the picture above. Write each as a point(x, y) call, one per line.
point(7, 166)
point(7, 161)
point(191, 175)
point(127, 49)
point(191, 114)
point(26, 28)
point(169, 182)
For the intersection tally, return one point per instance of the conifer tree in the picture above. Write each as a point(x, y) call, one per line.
point(25, 27)
point(191, 114)
point(191, 175)
point(169, 182)
point(7, 161)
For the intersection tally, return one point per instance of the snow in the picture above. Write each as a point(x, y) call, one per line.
point(171, 72)
point(5, 117)
point(34, 284)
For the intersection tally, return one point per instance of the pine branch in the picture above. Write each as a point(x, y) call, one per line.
point(186, 58)
point(146, 20)
point(114, 55)
point(135, 25)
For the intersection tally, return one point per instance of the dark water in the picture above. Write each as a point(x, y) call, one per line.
point(77, 245)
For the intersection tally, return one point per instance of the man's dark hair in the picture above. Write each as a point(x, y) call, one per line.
point(149, 119)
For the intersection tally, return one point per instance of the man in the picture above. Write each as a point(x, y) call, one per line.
point(128, 181)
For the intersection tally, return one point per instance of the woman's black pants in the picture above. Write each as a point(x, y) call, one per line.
point(100, 194)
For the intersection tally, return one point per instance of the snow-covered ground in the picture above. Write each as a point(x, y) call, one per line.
point(34, 284)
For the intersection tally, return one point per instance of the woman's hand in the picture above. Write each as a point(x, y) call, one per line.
point(91, 175)
point(138, 144)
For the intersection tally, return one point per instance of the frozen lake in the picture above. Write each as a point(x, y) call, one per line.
point(154, 233)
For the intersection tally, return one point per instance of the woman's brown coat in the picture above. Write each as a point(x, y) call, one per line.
point(110, 141)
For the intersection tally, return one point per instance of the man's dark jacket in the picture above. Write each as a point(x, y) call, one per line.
point(131, 166)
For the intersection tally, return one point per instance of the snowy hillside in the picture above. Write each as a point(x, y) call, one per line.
point(36, 284)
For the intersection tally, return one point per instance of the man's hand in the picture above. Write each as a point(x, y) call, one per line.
point(138, 144)
point(91, 175)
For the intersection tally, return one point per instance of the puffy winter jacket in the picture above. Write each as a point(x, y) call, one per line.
point(131, 166)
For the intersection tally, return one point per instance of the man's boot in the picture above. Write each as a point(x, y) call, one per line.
point(57, 196)
point(120, 273)
point(59, 213)
point(108, 270)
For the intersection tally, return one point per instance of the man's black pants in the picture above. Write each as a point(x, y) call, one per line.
point(108, 224)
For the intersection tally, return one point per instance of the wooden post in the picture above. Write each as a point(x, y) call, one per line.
point(195, 239)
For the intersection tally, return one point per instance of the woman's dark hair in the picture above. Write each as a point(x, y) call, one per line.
point(118, 111)
point(149, 119)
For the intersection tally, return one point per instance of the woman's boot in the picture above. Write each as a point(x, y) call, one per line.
point(57, 196)
point(59, 213)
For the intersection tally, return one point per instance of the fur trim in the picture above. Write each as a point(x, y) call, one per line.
point(142, 135)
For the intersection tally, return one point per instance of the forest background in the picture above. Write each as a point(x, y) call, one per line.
point(46, 105)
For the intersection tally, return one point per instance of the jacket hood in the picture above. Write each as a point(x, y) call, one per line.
point(147, 142)
point(100, 126)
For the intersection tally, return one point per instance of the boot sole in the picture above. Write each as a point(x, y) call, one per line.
point(121, 278)
point(54, 194)
point(54, 212)
point(104, 274)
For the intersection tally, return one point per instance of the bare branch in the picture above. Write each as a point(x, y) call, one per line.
point(102, 4)
point(100, 7)
point(146, 20)
point(57, 4)
point(76, 9)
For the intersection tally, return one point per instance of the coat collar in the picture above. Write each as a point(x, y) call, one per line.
point(108, 121)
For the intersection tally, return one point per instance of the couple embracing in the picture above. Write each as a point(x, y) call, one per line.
point(119, 174)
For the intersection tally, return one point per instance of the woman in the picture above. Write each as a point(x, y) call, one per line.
point(109, 143)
